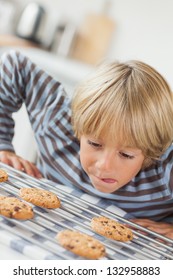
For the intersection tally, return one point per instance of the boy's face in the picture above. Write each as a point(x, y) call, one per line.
point(108, 165)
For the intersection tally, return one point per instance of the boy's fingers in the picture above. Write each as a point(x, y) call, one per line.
point(31, 170)
point(16, 163)
point(20, 164)
point(144, 222)
point(158, 227)
point(5, 158)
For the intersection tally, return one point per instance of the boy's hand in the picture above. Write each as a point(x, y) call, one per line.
point(159, 227)
point(19, 163)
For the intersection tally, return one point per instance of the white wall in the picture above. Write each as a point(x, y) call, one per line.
point(144, 29)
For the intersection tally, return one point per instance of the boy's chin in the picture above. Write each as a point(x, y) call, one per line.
point(105, 189)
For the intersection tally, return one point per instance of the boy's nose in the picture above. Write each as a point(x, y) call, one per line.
point(107, 161)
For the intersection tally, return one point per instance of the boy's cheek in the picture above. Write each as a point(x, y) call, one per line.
point(86, 161)
point(83, 161)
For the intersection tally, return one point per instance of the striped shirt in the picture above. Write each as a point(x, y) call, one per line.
point(149, 194)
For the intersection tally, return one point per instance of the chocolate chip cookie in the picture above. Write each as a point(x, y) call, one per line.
point(12, 207)
point(111, 229)
point(81, 244)
point(39, 197)
point(3, 175)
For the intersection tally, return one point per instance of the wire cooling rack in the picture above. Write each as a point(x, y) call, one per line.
point(36, 238)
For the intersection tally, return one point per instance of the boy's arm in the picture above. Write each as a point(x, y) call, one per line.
point(21, 81)
point(49, 111)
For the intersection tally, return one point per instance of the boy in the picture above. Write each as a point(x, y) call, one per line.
point(121, 121)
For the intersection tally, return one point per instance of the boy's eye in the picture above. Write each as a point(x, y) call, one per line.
point(94, 144)
point(126, 156)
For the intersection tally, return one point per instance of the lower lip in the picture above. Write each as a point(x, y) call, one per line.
point(106, 185)
point(108, 181)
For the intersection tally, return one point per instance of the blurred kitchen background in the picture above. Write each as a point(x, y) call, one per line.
point(69, 37)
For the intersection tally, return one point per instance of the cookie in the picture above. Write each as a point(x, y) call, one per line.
point(39, 197)
point(111, 229)
point(81, 244)
point(12, 207)
point(3, 175)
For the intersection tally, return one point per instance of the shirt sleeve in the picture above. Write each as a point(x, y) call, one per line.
point(49, 111)
point(21, 81)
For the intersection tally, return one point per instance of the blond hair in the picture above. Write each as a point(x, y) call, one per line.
point(130, 102)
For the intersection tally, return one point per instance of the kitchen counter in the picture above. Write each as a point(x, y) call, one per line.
point(14, 41)
point(66, 70)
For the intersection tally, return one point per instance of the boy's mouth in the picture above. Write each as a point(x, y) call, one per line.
point(104, 184)
point(108, 180)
